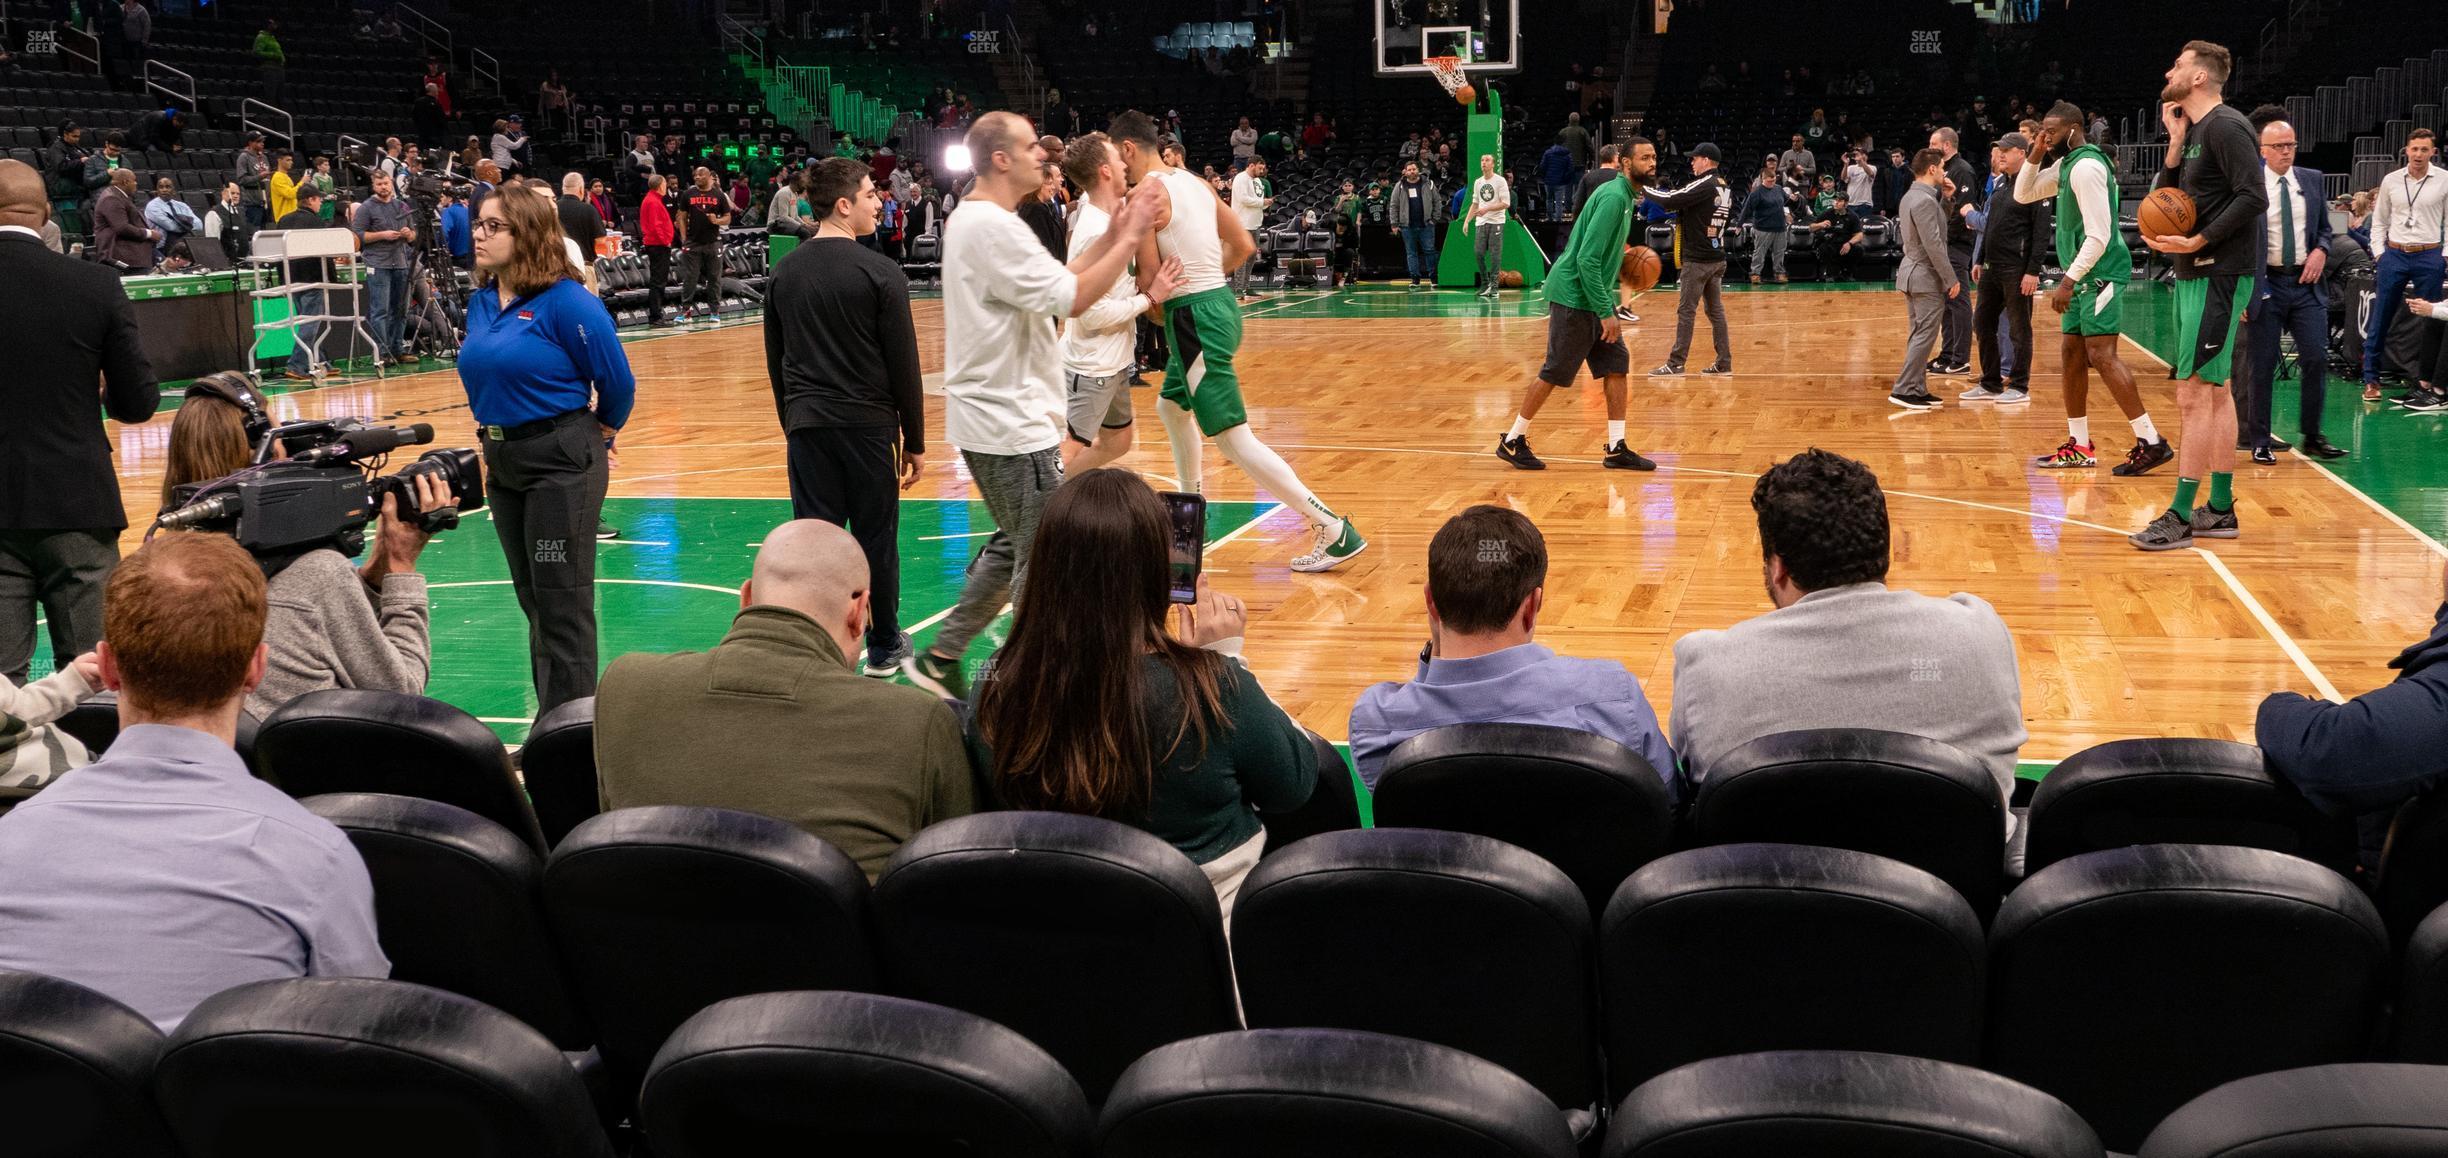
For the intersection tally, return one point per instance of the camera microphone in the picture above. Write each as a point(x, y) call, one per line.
point(368, 442)
point(219, 506)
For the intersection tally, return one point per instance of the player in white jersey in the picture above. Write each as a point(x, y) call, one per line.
point(1204, 323)
point(1097, 345)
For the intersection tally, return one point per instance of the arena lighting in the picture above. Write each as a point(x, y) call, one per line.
point(956, 158)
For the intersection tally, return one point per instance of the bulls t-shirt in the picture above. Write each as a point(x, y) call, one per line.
point(702, 205)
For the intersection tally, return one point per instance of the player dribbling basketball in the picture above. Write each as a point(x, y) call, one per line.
point(1582, 326)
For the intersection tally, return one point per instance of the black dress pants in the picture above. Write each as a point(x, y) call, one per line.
point(1955, 324)
point(547, 496)
point(658, 275)
point(2001, 295)
point(60, 574)
point(850, 477)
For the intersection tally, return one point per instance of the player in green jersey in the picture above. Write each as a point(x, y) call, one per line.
point(1583, 326)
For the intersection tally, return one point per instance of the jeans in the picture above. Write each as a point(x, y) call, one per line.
point(547, 497)
point(850, 477)
point(1955, 323)
point(1419, 251)
point(1559, 201)
point(2300, 310)
point(1697, 284)
point(1015, 487)
point(2001, 295)
point(2396, 272)
point(1768, 252)
point(61, 574)
point(1926, 309)
point(1487, 244)
point(306, 338)
point(387, 309)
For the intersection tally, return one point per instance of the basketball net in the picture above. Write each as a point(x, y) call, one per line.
point(1448, 73)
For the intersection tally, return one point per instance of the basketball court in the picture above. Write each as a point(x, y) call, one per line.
point(1389, 402)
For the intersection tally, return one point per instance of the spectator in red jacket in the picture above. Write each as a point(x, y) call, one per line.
point(655, 237)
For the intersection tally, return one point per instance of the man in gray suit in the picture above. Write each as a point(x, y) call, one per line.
point(1925, 275)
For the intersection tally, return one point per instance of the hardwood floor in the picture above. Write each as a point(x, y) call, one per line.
point(1390, 415)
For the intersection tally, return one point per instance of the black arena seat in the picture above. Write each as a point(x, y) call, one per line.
point(74, 1073)
point(557, 764)
point(356, 740)
point(2370, 1110)
point(2176, 791)
point(1831, 1104)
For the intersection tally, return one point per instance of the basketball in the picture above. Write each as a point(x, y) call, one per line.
point(1640, 267)
point(1466, 94)
point(1510, 279)
point(2165, 213)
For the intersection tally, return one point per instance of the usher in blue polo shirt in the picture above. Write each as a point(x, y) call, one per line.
point(544, 355)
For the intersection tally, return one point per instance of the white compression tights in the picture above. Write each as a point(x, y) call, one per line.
point(1242, 449)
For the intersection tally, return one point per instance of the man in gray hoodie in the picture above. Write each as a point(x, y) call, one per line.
point(1842, 650)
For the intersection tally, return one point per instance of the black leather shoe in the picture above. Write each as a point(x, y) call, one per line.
point(2277, 444)
point(2264, 456)
point(2320, 447)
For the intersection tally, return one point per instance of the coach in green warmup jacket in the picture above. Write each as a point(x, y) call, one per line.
point(776, 719)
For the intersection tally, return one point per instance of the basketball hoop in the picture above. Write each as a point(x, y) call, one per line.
point(1448, 73)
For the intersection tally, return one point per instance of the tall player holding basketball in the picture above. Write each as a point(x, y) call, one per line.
point(2090, 298)
point(2214, 156)
point(1204, 322)
point(1582, 326)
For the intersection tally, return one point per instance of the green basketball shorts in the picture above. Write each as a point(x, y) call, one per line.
point(2098, 309)
point(1205, 333)
point(2208, 310)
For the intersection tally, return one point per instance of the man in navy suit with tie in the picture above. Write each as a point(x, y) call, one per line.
point(2288, 296)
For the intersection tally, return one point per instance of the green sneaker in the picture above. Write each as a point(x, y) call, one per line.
point(937, 674)
point(1334, 548)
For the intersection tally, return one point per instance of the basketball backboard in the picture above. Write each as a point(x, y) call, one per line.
point(1484, 34)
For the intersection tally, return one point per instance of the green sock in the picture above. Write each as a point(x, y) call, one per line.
point(2183, 506)
point(2221, 499)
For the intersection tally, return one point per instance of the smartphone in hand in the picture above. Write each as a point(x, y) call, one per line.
point(1186, 535)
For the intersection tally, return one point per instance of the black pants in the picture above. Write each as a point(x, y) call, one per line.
point(850, 477)
point(62, 573)
point(1834, 263)
point(1955, 324)
point(547, 494)
point(2001, 295)
point(658, 275)
point(2303, 311)
point(702, 265)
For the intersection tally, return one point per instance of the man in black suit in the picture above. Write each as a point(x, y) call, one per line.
point(60, 514)
point(2289, 296)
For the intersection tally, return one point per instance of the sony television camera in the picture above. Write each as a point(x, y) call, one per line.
point(327, 490)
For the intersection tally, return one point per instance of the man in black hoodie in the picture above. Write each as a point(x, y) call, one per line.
point(2364, 757)
point(1702, 210)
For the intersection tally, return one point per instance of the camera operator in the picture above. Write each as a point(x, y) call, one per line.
point(551, 387)
point(332, 623)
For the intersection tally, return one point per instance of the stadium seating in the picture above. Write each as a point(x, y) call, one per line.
point(2129, 981)
point(1908, 798)
point(2161, 791)
point(663, 911)
point(74, 1072)
point(2317, 1112)
point(379, 1069)
point(1512, 781)
point(359, 740)
point(2422, 993)
point(1842, 1105)
point(2413, 878)
point(458, 903)
point(557, 763)
point(1324, 1093)
point(95, 723)
point(1747, 947)
point(1029, 918)
point(1438, 936)
point(854, 1073)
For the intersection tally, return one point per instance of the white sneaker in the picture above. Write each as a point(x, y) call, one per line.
point(1335, 545)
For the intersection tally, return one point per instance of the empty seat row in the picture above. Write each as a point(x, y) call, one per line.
point(389, 1068)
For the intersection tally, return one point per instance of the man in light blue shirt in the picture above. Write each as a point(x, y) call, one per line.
point(164, 873)
point(1487, 571)
point(175, 218)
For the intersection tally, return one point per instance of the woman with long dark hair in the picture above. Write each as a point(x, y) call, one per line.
point(1093, 707)
point(550, 387)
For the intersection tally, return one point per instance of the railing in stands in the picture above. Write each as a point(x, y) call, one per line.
point(172, 83)
point(434, 33)
point(364, 148)
point(79, 45)
point(741, 39)
point(256, 115)
point(485, 67)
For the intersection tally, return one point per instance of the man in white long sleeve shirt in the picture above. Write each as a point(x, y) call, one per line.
point(2090, 299)
point(2409, 216)
point(1249, 202)
point(1099, 345)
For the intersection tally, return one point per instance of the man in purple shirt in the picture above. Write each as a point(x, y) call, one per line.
point(164, 873)
point(1487, 571)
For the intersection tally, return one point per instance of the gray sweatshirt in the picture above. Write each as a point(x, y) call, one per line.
point(1860, 656)
point(33, 754)
point(327, 630)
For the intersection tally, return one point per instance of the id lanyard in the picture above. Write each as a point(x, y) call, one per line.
point(2413, 192)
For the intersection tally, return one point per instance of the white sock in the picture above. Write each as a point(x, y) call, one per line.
point(1242, 449)
point(1182, 431)
point(1521, 426)
point(2080, 428)
point(1614, 431)
point(2144, 430)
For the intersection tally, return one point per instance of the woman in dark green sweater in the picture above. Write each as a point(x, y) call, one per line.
point(1093, 707)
